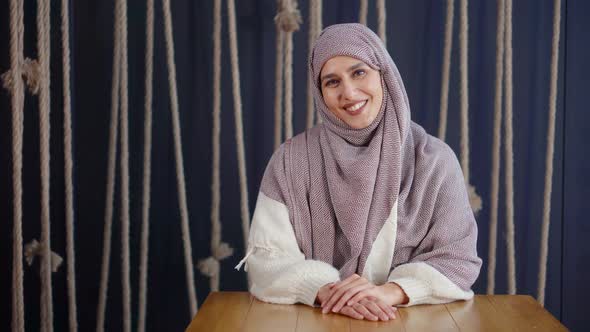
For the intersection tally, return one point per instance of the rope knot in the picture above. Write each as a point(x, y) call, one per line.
point(30, 71)
point(288, 17)
point(34, 248)
point(210, 265)
point(474, 199)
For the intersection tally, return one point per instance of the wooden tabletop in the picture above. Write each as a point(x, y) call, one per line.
point(239, 311)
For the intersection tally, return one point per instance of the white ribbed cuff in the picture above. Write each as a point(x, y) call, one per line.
point(416, 290)
point(312, 280)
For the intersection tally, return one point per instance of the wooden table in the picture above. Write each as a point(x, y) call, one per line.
point(239, 311)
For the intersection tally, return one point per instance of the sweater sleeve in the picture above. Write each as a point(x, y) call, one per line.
point(444, 266)
point(277, 269)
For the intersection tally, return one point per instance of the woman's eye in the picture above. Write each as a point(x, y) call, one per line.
point(359, 72)
point(331, 83)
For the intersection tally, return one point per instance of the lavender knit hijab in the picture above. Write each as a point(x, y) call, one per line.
point(340, 184)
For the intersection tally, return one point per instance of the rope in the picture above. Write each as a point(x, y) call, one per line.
point(147, 163)
point(235, 69)
point(190, 279)
point(219, 250)
point(124, 164)
point(311, 35)
point(34, 248)
point(463, 36)
point(288, 19)
point(363, 9)
point(474, 199)
point(43, 47)
point(444, 90)
point(319, 26)
point(30, 71)
point(113, 133)
point(382, 20)
point(496, 149)
point(280, 42)
point(550, 152)
point(509, 155)
point(17, 98)
point(68, 166)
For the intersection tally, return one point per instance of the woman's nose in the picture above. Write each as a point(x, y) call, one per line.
point(348, 91)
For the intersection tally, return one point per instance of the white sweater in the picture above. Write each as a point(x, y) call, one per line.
point(280, 273)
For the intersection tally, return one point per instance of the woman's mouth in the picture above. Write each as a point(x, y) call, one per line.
point(356, 108)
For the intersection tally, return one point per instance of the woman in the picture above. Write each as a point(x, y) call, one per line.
point(365, 211)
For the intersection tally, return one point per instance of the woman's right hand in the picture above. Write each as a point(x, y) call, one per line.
point(369, 308)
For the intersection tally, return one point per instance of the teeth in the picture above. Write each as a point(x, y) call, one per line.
point(356, 106)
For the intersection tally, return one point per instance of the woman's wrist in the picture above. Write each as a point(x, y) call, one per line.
point(395, 294)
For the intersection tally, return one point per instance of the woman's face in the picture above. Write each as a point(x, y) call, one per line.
point(352, 90)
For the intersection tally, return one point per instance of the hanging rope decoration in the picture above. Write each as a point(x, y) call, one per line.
point(188, 260)
point(288, 19)
point(550, 152)
point(315, 28)
point(278, 107)
point(68, 166)
point(363, 10)
point(237, 96)
point(381, 17)
point(147, 164)
point(124, 164)
point(444, 90)
point(508, 153)
point(12, 81)
point(495, 178)
point(219, 250)
point(119, 85)
point(474, 199)
point(34, 248)
point(44, 49)
point(381, 21)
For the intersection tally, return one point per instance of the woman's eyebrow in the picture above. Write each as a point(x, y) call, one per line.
point(351, 68)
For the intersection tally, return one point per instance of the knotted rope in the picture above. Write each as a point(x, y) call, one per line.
point(16, 89)
point(219, 250)
point(288, 19)
point(44, 51)
point(34, 248)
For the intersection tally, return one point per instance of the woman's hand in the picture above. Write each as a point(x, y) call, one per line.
point(323, 293)
point(390, 293)
point(355, 288)
point(343, 291)
point(369, 308)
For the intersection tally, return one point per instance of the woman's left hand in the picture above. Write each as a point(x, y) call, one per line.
point(354, 288)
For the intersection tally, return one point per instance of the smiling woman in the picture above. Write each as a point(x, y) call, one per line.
point(365, 211)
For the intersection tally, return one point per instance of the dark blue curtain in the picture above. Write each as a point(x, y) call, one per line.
point(415, 33)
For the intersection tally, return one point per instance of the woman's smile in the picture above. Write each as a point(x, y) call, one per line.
point(355, 108)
